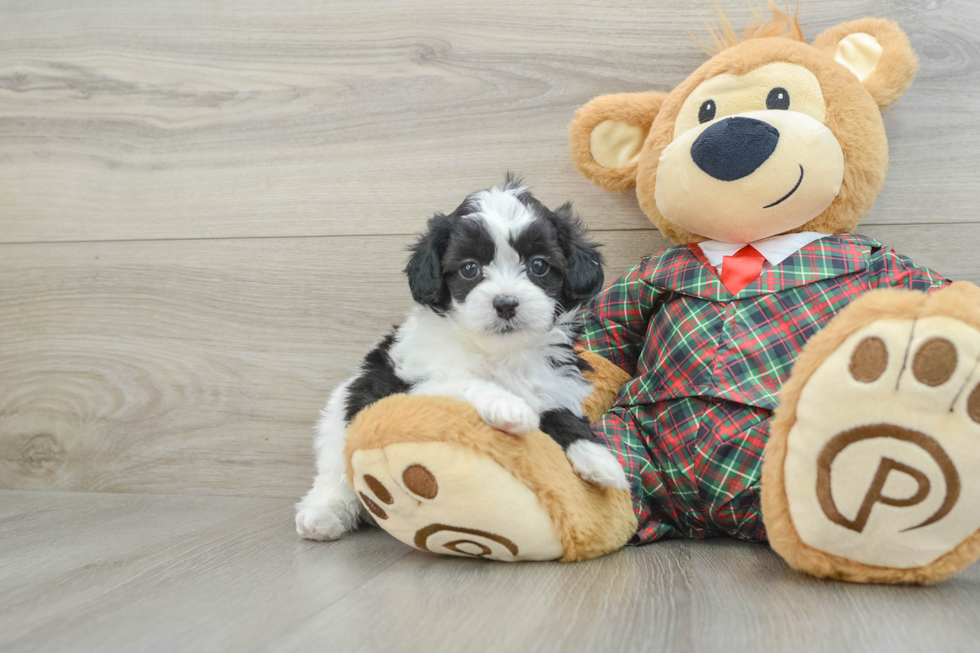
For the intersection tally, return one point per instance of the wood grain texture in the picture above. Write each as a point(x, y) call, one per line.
point(210, 573)
point(188, 119)
point(199, 366)
point(203, 213)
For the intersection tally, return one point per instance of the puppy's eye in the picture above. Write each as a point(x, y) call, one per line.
point(778, 99)
point(538, 267)
point(470, 270)
point(707, 111)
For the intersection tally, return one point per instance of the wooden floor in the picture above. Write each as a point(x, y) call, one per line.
point(204, 209)
point(115, 572)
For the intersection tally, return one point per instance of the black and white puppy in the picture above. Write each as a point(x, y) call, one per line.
point(500, 283)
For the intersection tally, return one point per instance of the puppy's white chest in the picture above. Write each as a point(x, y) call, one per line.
point(541, 385)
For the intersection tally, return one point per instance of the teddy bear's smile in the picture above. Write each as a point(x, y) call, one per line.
point(740, 178)
point(787, 195)
point(734, 168)
point(735, 147)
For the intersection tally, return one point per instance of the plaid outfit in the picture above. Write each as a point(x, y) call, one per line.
point(691, 426)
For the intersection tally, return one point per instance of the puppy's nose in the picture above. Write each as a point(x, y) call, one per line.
point(506, 306)
point(734, 147)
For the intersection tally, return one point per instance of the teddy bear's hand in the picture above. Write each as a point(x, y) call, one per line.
point(439, 478)
point(872, 470)
point(606, 380)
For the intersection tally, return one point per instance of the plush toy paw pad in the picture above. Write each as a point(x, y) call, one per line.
point(448, 499)
point(883, 462)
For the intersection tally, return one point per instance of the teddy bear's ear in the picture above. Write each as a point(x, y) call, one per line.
point(877, 51)
point(607, 135)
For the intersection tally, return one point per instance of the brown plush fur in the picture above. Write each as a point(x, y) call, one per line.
point(781, 24)
point(853, 115)
point(898, 64)
point(959, 301)
point(637, 109)
point(590, 521)
point(607, 379)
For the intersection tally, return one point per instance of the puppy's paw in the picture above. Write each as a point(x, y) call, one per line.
point(319, 523)
point(596, 464)
point(509, 413)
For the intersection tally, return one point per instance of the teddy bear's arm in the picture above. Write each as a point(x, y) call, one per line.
point(892, 270)
point(616, 322)
point(606, 380)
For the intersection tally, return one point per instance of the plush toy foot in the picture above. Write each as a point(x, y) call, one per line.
point(438, 478)
point(872, 471)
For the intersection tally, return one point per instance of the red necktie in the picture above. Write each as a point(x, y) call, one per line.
point(741, 269)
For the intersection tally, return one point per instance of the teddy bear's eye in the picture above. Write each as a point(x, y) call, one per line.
point(778, 98)
point(707, 111)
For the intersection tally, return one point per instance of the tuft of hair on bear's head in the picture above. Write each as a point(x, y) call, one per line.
point(781, 24)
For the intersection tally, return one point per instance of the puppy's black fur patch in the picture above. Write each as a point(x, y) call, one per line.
point(433, 268)
point(376, 380)
point(581, 265)
point(539, 239)
point(577, 362)
point(566, 428)
point(584, 276)
point(470, 241)
point(424, 269)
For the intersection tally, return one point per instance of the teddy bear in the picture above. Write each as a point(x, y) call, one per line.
point(773, 377)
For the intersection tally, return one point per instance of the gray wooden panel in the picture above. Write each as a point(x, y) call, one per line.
point(94, 572)
point(189, 366)
point(199, 366)
point(187, 119)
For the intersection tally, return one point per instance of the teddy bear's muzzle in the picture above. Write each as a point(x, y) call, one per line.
point(746, 177)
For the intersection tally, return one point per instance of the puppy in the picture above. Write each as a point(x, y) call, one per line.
point(500, 284)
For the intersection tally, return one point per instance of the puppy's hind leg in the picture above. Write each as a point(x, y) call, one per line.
point(331, 508)
point(328, 510)
point(589, 457)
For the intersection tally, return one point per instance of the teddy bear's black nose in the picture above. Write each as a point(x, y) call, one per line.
point(734, 147)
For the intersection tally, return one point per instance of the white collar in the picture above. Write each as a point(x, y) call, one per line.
point(776, 249)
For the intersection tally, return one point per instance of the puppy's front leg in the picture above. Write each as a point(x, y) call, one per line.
point(499, 408)
point(589, 456)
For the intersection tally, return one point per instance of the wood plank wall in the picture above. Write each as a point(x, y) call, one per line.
point(204, 206)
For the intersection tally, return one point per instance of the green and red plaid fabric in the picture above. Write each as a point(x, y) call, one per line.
point(691, 426)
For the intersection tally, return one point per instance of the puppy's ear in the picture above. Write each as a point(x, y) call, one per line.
point(424, 269)
point(607, 135)
point(877, 51)
point(583, 273)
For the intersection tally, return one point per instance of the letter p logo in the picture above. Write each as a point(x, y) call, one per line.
point(875, 493)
